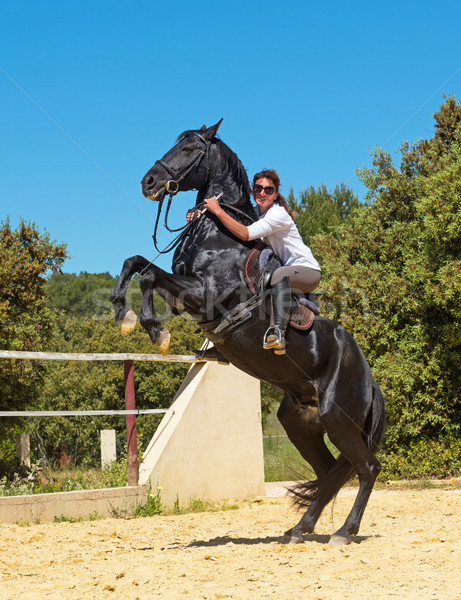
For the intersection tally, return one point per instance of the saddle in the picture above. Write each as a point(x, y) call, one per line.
point(259, 266)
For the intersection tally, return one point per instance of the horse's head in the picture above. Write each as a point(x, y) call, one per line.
point(184, 167)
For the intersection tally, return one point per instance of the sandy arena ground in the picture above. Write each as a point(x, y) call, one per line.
point(409, 547)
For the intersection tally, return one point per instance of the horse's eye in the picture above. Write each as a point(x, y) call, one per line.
point(187, 149)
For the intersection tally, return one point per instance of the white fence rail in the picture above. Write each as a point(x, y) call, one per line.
point(130, 411)
point(80, 413)
point(23, 355)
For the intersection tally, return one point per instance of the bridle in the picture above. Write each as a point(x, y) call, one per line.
point(172, 188)
point(172, 185)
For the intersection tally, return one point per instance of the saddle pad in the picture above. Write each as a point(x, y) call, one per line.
point(251, 268)
point(301, 317)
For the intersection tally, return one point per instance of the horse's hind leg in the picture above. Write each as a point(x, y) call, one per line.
point(306, 433)
point(355, 457)
point(125, 316)
point(367, 467)
point(317, 499)
point(348, 431)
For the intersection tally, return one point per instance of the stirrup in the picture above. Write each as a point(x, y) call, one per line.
point(274, 339)
point(211, 354)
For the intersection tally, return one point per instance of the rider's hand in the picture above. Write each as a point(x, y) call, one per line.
point(192, 214)
point(212, 204)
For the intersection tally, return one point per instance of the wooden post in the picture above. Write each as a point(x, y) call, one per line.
point(131, 435)
point(23, 449)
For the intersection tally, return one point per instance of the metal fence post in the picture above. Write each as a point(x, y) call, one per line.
point(131, 435)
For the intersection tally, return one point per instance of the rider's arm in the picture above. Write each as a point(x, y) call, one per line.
point(275, 220)
point(238, 229)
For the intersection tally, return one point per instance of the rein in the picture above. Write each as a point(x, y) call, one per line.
point(185, 228)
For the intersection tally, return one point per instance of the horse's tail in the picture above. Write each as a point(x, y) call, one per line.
point(375, 424)
point(342, 471)
point(303, 492)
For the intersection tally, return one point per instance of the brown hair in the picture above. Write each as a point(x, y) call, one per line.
point(273, 176)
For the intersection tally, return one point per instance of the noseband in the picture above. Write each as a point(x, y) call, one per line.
point(172, 186)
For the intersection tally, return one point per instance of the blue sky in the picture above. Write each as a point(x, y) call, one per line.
point(92, 93)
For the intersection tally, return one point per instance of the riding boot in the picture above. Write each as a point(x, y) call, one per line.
point(274, 339)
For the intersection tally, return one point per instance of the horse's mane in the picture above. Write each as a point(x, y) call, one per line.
point(236, 169)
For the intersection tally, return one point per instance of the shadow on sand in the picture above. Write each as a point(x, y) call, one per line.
point(223, 540)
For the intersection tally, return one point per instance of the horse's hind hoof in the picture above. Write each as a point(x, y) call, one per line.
point(163, 341)
point(289, 537)
point(128, 322)
point(339, 540)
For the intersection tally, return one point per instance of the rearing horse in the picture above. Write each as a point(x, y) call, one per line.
point(327, 382)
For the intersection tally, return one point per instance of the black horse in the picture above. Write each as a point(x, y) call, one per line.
point(325, 377)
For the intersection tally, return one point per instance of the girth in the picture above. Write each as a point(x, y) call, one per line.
point(218, 328)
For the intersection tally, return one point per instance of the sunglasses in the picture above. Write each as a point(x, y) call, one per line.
point(269, 189)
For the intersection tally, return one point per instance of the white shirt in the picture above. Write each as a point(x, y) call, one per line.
point(278, 229)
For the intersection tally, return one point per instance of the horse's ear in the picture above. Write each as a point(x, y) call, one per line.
point(203, 128)
point(211, 131)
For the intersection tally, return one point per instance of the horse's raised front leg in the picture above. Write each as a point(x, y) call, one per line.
point(124, 315)
point(180, 292)
point(148, 318)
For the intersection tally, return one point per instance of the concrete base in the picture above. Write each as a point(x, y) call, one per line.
point(211, 447)
point(40, 508)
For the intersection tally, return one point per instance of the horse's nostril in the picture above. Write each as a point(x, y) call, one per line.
point(149, 180)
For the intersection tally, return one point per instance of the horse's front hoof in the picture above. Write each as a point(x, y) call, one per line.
point(163, 341)
point(339, 540)
point(128, 322)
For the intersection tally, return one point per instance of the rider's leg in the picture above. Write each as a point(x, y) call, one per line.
point(284, 281)
point(302, 279)
point(274, 338)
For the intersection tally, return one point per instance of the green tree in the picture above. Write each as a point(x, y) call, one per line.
point(320, 211)
point(26, 323)
point(83, 296)
point(393, 279)
point(86, 295)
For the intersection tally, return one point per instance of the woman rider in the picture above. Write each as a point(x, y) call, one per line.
point(299, 271)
